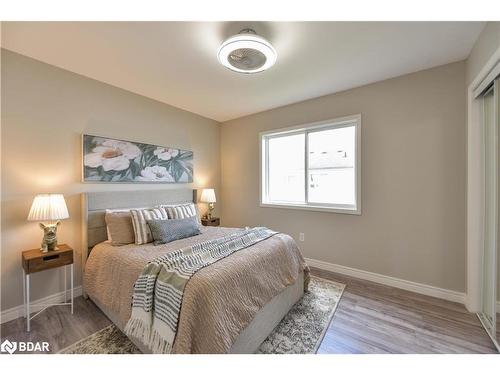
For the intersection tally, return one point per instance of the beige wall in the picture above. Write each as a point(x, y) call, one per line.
point(44, 112)
point(485, 46)
point(413, 178)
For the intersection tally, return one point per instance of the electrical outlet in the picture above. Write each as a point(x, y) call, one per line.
point(301, 237)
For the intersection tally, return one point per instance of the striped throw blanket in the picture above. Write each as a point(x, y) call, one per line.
point(157, 297)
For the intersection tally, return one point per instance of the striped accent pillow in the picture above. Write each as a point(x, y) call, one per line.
point(181, 211)
point(139, 221)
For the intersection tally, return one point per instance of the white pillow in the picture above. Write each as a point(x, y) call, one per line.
point(139, 221)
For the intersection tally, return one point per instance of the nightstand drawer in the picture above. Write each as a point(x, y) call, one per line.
point(49, 261)
point(35, 260)
point(213, 222)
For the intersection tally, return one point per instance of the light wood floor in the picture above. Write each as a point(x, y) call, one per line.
point(371, 318)
point(57, 326)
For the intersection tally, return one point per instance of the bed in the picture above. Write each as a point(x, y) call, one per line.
point(230, 306)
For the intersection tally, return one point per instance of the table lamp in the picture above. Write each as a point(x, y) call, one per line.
point(208, 196)
point(48, 209)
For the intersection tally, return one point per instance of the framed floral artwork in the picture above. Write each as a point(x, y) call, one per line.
point(114, 160)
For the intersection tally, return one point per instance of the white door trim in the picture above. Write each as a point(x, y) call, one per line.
point(475, 186)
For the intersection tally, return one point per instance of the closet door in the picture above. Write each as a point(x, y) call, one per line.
point(497, 293)
point(489, 293)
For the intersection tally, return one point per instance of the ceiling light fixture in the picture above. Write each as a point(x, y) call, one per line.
point(247, 52)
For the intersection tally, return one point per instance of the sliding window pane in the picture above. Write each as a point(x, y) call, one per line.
point(286, 168)
point(331, 177)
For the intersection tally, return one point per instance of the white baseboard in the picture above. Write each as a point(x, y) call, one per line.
point(18, 311)
point(428, 290)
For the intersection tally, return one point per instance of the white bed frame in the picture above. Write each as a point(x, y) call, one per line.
point(94, 206)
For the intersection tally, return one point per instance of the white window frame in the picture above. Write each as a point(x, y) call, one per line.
point(354, 120)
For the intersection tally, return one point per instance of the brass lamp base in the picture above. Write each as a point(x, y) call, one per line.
point(211, 207)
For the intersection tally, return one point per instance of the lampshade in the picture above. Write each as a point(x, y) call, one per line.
point(47, 207)
point(208, 196)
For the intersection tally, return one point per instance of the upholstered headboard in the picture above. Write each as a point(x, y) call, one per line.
point(94, 207)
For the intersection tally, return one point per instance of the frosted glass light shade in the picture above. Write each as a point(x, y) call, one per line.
point(245, 43)
point(48, 207)
point(208, 196)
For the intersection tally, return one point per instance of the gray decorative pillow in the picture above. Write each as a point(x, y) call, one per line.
point(165, 231)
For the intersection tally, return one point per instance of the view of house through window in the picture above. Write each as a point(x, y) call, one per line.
point(312, 167)
point(331, 175)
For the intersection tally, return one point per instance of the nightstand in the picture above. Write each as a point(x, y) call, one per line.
point(212, 222)
point(35, 261)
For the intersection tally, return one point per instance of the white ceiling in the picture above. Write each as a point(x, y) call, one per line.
point(176, 63)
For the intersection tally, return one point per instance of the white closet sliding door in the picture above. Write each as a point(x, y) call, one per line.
point(490, 123)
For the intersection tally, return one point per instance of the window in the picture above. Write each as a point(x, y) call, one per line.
point(315, 166)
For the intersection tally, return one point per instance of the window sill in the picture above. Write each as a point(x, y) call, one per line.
point(336, 210)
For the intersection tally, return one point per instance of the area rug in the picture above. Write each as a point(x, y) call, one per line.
point(300, 331)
